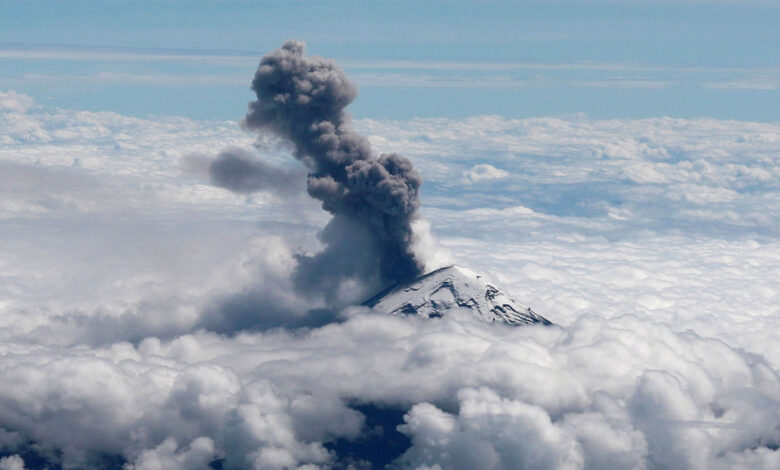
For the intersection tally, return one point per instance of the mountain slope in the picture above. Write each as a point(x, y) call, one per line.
point(453, 287)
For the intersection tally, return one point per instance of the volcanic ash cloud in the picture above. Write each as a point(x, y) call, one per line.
point(374, 200)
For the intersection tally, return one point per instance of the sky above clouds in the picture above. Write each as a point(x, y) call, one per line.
point(626, 59)
point(613, 165)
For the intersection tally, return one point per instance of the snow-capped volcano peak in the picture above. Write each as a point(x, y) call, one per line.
point(453, 287)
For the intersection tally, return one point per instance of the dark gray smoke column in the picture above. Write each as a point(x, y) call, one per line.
point(374, 200)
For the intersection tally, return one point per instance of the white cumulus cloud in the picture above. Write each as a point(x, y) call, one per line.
point(484, 172)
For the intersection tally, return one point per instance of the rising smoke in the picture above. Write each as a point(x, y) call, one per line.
point(373, 200)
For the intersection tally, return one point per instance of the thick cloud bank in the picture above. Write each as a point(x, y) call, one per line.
point(374, 200)
point(651, 243)
point(622, 393)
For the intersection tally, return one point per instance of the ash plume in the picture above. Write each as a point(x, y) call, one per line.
point(236, 169)
point(373, 199)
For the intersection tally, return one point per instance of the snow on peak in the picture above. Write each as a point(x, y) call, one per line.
point(453, 287)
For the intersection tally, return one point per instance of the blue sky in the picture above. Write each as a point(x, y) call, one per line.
point(631, 59)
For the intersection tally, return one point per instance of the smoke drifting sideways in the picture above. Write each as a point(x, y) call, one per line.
point(237, 170)
point(374, 200)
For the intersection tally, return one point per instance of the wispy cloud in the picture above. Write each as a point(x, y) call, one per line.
point(149, 79)
point(443, 81)
point(242, 58)
point(367, 80)
point(758, 83)
point(113, 54)
point(401, 80)
point(384, 73)
point(622, 83)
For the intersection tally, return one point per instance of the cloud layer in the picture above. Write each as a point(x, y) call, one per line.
point(651, 243)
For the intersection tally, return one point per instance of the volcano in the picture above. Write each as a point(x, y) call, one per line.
point(454, 288)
